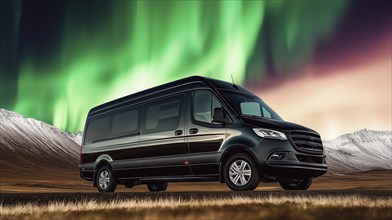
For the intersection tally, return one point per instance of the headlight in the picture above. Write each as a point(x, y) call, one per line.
point(265, 133)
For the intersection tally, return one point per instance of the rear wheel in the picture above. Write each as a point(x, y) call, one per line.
point(157, 186)
point(241, 173)
point(105, 180)
point(296, 184)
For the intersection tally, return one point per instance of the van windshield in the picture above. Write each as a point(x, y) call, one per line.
point(250, 106)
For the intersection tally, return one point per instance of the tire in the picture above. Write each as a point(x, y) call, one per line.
point(296, 184)
point(157, 186)
point(241, 173)
point(105, 180)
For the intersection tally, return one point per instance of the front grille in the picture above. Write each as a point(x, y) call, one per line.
point(307, 142)
point(310, 159)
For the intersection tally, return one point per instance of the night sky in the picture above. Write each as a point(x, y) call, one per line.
point(60, 58)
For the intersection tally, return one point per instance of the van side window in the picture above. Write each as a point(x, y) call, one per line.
point(125, 122)
point(266, 113)
point(204, 103)
point(163, 115)
point(97, 129)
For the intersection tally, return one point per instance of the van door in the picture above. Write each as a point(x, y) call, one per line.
point(203, 136)
point(163, 150)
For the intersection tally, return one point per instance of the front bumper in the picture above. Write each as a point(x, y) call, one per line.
point(293, 164)
point(287, 170)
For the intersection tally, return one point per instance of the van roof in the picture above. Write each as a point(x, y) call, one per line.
point(199, 80)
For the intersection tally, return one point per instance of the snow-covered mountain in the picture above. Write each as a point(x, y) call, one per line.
point(28, 144)
point(32, 143)
point(362, 150)
point(77, 138)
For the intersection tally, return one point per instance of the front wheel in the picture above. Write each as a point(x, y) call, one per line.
point(240, 173)
point(105, 180)
point(296, 184)
point(157, 186)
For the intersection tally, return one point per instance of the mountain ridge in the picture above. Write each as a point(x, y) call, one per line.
point(362, 150)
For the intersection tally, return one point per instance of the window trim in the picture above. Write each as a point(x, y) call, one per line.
point(115, 137)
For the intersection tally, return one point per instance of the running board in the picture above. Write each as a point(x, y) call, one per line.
point(176, 178)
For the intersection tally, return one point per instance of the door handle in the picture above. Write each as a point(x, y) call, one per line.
point(178, 132)
point(193, 130)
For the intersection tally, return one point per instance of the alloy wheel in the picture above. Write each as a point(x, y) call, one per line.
point(104, 179)
point(240, 172)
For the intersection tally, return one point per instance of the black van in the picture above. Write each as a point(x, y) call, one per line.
point(196, 129)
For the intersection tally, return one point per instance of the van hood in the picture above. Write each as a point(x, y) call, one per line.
point(274, 124)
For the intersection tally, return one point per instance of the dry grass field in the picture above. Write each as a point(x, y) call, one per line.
point(365, 195)
point(236, 207)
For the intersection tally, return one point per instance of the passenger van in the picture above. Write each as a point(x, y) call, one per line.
point(197, 129)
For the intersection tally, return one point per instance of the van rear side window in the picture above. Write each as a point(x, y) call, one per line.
point(117, 124)
point(163, 115)
point(125, 122)
point(97, 129)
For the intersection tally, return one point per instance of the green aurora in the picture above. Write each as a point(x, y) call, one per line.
point(134, 45)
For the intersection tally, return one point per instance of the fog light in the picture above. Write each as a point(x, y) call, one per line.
point(277, 156)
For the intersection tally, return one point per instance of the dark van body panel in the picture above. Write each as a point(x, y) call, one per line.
point(273, 124)
point(188, 149)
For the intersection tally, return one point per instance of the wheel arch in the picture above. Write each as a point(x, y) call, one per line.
point(235, 149)
point(103, 160)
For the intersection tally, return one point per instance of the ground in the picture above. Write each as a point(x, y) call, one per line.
point(365, 195)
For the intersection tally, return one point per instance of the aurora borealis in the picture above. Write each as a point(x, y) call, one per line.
point(61, 58)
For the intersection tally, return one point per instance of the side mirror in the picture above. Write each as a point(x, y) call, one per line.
point(219, 115)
